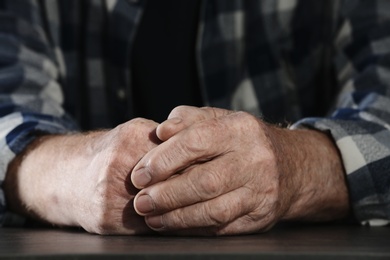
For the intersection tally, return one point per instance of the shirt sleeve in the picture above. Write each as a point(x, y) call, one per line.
point(30, 95)
point(360, 120)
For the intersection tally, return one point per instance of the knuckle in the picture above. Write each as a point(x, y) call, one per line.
point(137, 125)
point(208, 184)
point(167, 199)
point(124, 137)
point(188, 113)
point(198, 140)
point(203, 136)
point(99, 210)
point(117, 136)
point(179, 110)
point(210, 112)
point(246, 119)
point(245, 116)
point(137, 121)
point(219, 215)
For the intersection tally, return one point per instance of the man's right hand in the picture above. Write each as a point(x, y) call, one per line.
point(82, 179)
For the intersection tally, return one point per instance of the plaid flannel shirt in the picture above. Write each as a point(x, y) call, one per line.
point(318, 64)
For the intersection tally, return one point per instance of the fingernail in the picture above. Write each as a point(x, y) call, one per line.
point(155, 222)
point(141, 178)
point(176, 120)
point(144, 204)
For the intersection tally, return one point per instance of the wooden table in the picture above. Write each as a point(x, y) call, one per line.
point(283, 242)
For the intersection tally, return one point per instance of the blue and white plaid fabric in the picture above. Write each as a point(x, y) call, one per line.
point(320, 64)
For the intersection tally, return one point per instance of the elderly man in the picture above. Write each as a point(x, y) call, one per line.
point(310, 140)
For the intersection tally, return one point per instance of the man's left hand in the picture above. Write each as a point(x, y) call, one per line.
point(223, 172)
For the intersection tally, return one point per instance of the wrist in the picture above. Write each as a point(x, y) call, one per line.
point(36, 182)
point(17, 184)
point(312, 181)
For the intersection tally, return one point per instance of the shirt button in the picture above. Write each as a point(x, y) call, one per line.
point(121, 93)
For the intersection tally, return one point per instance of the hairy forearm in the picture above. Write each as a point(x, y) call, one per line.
point(37, 183)
point(14, 187)
point(317, 185)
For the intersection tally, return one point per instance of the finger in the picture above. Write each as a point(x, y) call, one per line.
point(198, 143)
point(199, 183)
point(212, 214)
point(247, 225)
point(183, 116)
point(243, 225)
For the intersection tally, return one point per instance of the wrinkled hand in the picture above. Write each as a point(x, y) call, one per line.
point(227, 177)
point(83, 179)
point(223, 172)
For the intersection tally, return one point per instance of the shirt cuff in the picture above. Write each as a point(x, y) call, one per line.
point(365, 151)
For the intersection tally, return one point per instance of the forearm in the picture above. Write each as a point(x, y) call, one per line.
point(311, 158)
point(38, 183)
point(13, 190)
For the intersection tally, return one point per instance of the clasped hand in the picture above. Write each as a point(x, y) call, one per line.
point(217, 172)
